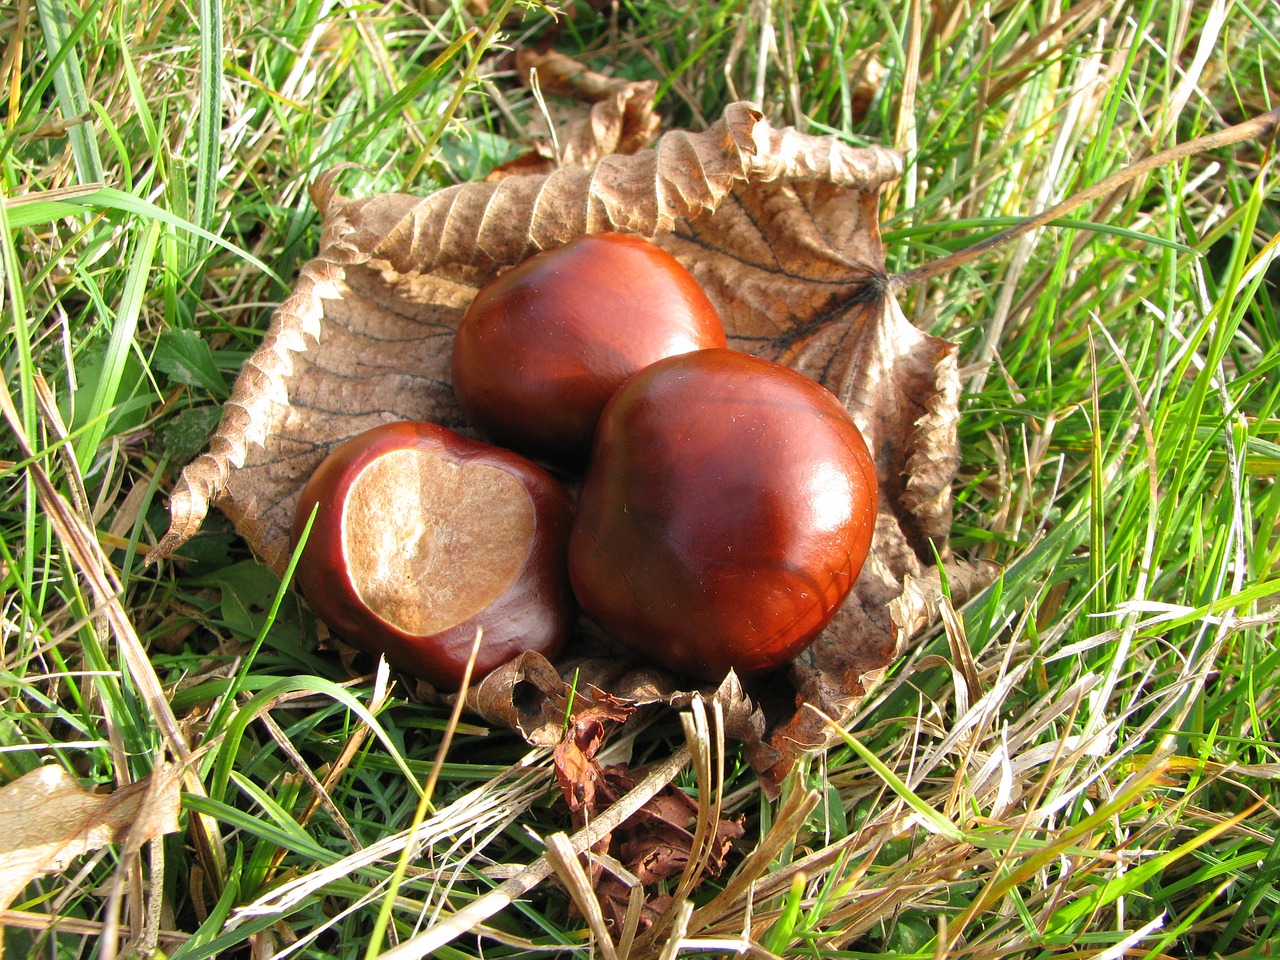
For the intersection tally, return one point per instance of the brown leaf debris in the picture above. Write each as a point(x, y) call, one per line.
point(653, 844)
point(47, 819)
point(620, 120)
point(577, 770)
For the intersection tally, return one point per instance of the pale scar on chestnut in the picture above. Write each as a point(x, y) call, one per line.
point(459, 537)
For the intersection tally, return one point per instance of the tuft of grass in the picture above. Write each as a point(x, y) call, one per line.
point(1081, 762)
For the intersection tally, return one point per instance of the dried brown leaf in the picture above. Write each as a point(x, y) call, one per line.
point(47, 819)
point(620, 120)
point(781, 230)
point(574, 757)
point(660, 842)
point(655, 844)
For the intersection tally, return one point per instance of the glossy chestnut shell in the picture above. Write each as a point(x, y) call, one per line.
point(542, 348)
point(421, 536)
point(726, 513)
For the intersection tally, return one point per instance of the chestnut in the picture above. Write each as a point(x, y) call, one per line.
point(421, 536)
point(541, 349)
point(725, 515)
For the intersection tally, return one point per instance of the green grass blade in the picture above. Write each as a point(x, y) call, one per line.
point(118, 349)
point(239, 723)
point(18, 326)
point(209, 125)
point(68, 81)
point(31, 212)
point(1133, 879)
point(934, 821)
point(995, 224)
point(779, 935)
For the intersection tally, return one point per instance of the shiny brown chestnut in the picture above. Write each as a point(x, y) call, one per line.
point(726, 513)
point(542, 348)
point(421, 536)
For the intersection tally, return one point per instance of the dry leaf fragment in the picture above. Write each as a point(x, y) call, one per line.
point(654, 843)
point(47, 819)
point(781, 230)
point(574, 757)
point(620, 120)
